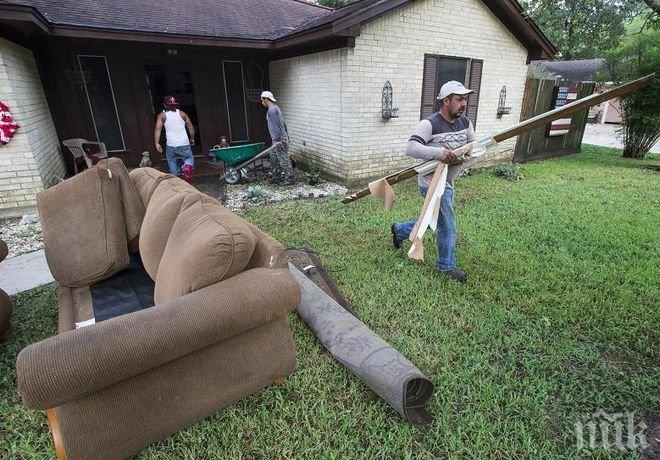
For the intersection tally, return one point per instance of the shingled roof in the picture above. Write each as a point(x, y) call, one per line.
point(244, 19)
point(246, 23)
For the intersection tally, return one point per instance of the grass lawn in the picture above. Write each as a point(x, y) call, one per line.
point(560, 318)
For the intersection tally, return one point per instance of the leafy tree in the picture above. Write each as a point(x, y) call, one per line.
point(582, 28)
point(638, 54)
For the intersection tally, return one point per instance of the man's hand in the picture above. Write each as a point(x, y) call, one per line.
point(192, 142)
point(159, 148)
point(448, 157)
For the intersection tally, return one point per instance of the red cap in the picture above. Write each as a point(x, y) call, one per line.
point(169, 100)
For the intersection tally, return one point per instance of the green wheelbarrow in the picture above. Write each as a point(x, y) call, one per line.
point(236, 158)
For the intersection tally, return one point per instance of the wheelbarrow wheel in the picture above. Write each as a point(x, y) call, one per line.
point(233, 177)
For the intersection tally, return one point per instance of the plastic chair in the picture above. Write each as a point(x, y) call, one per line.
point(75, 146)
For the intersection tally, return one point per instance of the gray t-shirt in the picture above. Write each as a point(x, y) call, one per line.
point(432, 135)
point(276, 125)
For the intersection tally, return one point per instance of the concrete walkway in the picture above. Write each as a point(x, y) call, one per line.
point(24, 272)
point(605, 135)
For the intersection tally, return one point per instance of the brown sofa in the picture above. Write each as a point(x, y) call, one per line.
point(170, 308)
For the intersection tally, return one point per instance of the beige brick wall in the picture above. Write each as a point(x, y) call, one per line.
point(32, 158)
point(309, 91)
point(344, 87)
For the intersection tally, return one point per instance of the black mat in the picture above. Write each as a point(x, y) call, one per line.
point(128, 291)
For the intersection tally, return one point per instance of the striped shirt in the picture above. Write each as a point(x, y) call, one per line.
point(434, 134)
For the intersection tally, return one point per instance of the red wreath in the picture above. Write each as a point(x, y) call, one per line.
point(8, 126)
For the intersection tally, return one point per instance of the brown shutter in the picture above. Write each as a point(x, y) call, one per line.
point(428, 86)
point(476, 65)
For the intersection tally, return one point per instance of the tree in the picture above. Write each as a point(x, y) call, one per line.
point(582, 28)
point(638, 54)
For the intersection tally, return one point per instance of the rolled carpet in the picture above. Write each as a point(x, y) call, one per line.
point(374, 361)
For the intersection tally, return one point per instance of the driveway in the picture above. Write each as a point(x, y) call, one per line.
point(605, 135)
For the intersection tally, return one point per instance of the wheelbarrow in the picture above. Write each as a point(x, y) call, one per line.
point(236, 158)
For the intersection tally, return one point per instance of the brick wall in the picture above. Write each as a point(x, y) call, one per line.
point(392, 48)
point(32, 159)
point(309, 90)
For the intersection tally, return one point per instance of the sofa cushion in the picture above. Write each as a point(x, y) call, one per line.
point(208, 243)
point(131, 201)
point(167, 201)
point(146, 180)
point(83, 228)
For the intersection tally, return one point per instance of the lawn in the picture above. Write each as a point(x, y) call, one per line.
point(559, 318)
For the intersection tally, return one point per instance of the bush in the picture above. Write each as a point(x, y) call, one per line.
point(637, 55)
point(509, 171)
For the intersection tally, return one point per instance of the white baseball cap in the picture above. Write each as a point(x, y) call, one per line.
point(268, 95)
point(453, 87)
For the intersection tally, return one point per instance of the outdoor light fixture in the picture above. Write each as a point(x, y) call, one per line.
point(501, 106)
point(172, 52)
point(386, 100)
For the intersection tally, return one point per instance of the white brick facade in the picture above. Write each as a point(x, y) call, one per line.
point(32, 159)
point(332, 100)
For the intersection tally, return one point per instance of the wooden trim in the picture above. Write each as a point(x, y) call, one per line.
point(367, 14)
point(55, 431)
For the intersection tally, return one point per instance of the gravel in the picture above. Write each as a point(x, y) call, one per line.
point(238, 196)
point(21, 238)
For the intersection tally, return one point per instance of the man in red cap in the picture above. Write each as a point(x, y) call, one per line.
point(178, 143)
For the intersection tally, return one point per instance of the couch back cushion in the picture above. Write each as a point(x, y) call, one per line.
point(168, 200)
point(83, 228)
point(130, 199)
point(208, 243)
point(146, 180)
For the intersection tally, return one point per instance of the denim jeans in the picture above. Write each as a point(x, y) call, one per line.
point(174, 153)
point(445, 235)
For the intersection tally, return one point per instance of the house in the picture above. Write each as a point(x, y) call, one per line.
point(98, 70)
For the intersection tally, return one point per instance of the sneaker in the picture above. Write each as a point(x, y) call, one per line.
point(456, 274)
point(395, 239)
point(187, 172)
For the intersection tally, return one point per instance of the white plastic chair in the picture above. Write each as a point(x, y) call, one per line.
point(75, 146)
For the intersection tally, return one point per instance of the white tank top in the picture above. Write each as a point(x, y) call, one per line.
point(175, 129)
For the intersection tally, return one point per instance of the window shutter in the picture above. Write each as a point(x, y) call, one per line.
point(476, 66)
point(428, 86)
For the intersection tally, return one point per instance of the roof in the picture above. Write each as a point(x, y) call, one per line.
point(244, 19)
point(244, 23)
point(577, 70)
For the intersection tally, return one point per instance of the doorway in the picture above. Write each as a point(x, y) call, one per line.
point(172, 78)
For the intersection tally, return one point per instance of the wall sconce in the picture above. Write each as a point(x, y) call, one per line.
point(386, 101)
point(501, 105)
point(172, 52)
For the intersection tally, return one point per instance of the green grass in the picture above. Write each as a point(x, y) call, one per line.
point(560, 318)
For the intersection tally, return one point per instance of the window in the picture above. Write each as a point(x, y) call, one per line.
point(440, 69)
point(235, 96)
point(101, 100)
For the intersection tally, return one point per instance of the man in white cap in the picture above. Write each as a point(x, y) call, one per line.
point(433, 139)
point(280, 163)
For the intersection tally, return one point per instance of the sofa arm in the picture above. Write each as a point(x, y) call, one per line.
point(82, 361)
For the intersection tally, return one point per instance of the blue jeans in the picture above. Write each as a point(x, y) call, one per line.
point(445, 235)
point(174, 153)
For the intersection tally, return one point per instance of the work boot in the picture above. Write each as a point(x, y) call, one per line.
point(395, 239)
point(456, 274)
point(188, 172)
